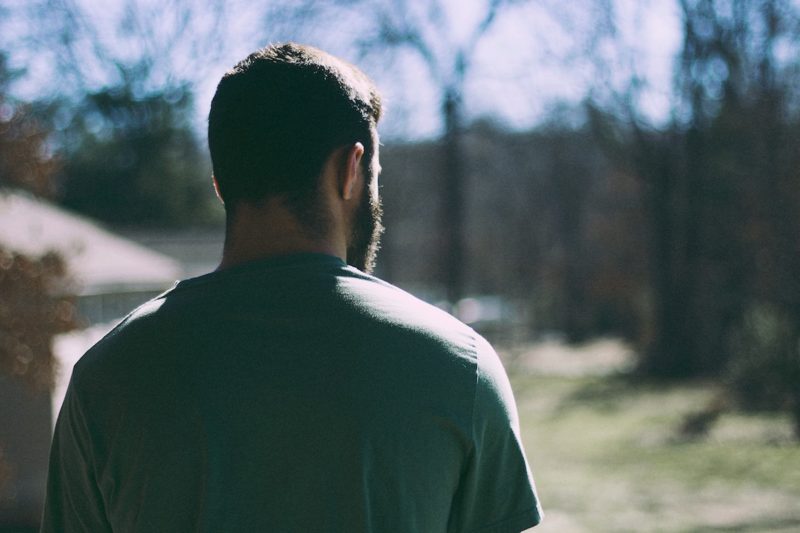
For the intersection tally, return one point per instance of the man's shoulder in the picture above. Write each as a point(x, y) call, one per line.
point(125, 344)
point(345, 303)
point(394, 307)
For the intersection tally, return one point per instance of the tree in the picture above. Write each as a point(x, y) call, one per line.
point(26, 161)
point(72, 48)
point(722, 199)
point(134, 160)
point(122, 121)
point(35, 300)
point(35, 305)
point(740, 176)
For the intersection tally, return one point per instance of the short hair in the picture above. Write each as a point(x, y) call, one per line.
point(278, 115)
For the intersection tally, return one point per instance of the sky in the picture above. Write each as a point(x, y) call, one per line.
point(531, 60)
point(527, 64)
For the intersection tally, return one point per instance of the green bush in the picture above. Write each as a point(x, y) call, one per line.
point(764, 374)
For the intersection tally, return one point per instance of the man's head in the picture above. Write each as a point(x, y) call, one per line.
point(277, 118)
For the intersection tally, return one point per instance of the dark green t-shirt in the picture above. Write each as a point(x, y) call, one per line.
point(290, 394)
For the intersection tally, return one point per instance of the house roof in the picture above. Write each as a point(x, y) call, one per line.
point(98, 260)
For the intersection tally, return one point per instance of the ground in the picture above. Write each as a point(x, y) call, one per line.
point(608, 455)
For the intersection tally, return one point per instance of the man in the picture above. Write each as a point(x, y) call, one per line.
point(290, 390)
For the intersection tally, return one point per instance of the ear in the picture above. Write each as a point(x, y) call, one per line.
point(216, 188)
point(350, 172)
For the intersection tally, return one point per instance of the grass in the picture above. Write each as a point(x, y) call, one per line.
point(607, 456)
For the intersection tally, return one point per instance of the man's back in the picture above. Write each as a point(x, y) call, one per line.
point(289, 394)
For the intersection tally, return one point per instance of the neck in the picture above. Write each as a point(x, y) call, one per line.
point(269, 230)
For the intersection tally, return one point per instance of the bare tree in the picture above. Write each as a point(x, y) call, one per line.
point(720, 187)
point(70, 46)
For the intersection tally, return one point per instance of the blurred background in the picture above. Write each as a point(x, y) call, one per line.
point(608, 190)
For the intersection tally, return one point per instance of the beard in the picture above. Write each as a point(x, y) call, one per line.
point(362, 251)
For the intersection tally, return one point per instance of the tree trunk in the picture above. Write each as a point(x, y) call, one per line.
point(453, 180)
point(671, 351)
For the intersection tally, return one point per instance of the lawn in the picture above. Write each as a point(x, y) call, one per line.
point(608, 455)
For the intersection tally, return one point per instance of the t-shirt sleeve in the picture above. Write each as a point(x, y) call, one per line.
point(73, 501)
point(497, 492)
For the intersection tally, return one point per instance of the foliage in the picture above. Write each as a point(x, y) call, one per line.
point(765, 371)
point(26, 162)
point(133, 159)
point(719, 183)
point(34, 301)
point(34, 306)
point(119, 121)
point(118, 155)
